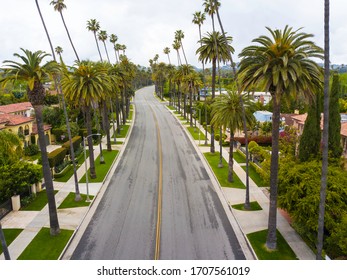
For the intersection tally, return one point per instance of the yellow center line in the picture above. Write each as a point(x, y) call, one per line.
point(160, 189)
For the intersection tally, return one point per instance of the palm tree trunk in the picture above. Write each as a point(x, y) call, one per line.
point(68, 34)
point(271, 241)
point(3, 244)
point(108, 58)
point(90, 144)
point(325, 138)
point(247, 203)
point(185, 58)
point(53, 216)
point(106, 122)
point(231, 158)
point(97, 45)
point(212, 149)
point(191, 107)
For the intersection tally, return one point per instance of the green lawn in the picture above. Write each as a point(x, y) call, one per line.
point(131, 114)
point(172, 108)
point(255, 175)
point(10, 235)
point(239, 157)
point(101, 169)
point(38, 203)
point(222, 173)
point(283, 252)
point(69, 201)
point(195, 133)
point(254, 206)
point(46, 247)
point(123, 131)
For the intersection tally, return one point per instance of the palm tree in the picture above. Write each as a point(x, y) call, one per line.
point(179, 35)
point(60, 6)
point(211, 7)
point(213, 47)
point(282, 65)
point(199, 19)
point(102, 36)
point(176, 46)
point(58, 88)
point(167, 52)
point(85, 86)
point(247, 202)
point(35, 74)
point(113, 40)
point(325, 138)
point(94, 26)
point(59, 51)
point(227, 112)
point(4, 244)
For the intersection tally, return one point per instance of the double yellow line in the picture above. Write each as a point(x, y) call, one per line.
point(160, 190)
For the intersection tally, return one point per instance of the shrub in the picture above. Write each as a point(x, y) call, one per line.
point(31, 150)
point(56, 157)
point(261, 140)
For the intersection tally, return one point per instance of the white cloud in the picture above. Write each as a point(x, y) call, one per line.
point(147, 27)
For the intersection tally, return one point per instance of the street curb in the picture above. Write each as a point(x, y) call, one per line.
point(244, 243)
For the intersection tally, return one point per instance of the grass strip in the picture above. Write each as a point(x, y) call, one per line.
point(123, 131)
point(195, 133)
point(38, 202)
point(283, 251)
point(239, 157)
point(222, 173)
point(10, 235)
point(255, 175)
point(254, 206)
point(101, 169)
point(44, 246)
point(69, 201)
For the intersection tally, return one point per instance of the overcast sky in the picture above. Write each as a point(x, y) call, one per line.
point(146, 27)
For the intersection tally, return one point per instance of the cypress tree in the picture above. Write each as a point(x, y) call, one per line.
point(335, 148)
point(309, 146)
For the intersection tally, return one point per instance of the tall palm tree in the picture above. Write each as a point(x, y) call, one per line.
point(94, 26)
point(59, 51)
point(60, 6)
point(247, 201)
point(179, 35)
point(325, 138)
point(193, 83)
point(227, 112)
point(214, 47)
point(176, 46)
point(85, 86)
point(282, 65)
point(31, 70)
point(211, 7)
point(113, 40)
point(167, 52)
point(58, 88)
point(199, 19)
point(102, 36)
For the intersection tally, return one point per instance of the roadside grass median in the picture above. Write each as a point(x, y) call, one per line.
point(69, 201)
point(222, 173)
point(101, 169)
point(10, 235)
point(239, 157)
point(194, 131)
point(44, 246)
point(283, 251)
point(254, 175)
point(254, 206)
point(123, 131)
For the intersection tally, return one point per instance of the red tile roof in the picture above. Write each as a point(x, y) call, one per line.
point(16, 107)
point(45, 128)
point(12, 120)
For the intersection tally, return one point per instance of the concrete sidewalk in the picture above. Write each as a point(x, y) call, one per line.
point(252, 221)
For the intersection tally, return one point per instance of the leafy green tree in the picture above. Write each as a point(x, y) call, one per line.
point(335, 148)
point(10, 148)
point(227, 112)
point(31, 70)
point(282, 64)
point(310, 139)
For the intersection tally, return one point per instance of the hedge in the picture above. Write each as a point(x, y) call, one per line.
point(262, 140)
point(76, 142)
point(56, 157)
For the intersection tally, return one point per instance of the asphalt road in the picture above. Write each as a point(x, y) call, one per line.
point(160, 203)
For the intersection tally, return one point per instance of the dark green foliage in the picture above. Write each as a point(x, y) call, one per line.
point(56, 157)
point(76, 143)
point(298, 193)
point(17, 178)
point(51, 99)
point(335, 148)
point(53, 116)
point(309, 146)
point(31, 150)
